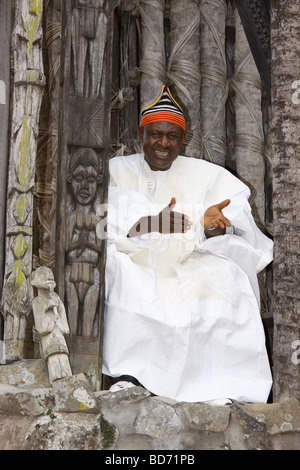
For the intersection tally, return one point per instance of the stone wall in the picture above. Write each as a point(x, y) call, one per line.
point(71, 416)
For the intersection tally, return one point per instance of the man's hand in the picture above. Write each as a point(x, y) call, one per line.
point(167, 221)
point(214, 221)
point(172, 222)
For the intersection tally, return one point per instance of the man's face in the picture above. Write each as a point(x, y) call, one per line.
point(161, 143)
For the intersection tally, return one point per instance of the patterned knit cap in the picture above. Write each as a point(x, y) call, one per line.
point(164, 108)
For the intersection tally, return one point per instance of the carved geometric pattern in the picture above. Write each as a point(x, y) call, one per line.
point(19, 246)
point(21, 209)
point(86, 122)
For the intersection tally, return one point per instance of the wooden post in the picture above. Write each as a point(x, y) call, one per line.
point(214, 84)
point(285, 141)
point(84, 130)
point(28, 90)
point(249, 148)
point(5, 35)
point(153, 62)
point(47, 150)
point(184, 68)
point(129, 75)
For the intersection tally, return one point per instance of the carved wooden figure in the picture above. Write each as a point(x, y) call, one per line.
point(83, 245)
point(51, 324)
point(88, 45)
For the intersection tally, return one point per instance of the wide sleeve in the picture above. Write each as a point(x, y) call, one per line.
point(250, 248)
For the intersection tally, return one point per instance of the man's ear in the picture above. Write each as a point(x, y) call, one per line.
point(183, 136)
point(141, 132)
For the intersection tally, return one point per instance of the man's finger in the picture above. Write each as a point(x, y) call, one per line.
point(179, 227)
point(177, 215)
point(180, 224)
point(180, 217)
point(172, 203)
point(223, 220)
point(223, 204)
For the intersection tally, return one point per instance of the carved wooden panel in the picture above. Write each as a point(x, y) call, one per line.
point(82, 175)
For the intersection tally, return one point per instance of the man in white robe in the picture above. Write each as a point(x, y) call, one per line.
point(182, 298)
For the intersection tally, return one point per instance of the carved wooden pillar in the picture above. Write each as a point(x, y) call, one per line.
point(28, 91)
point(184, 68)
point(249, 148)
point(153, 61)
point(82, 175)
point(214, 85)
point(129, 75)
point(47, 151)
point(5, 33)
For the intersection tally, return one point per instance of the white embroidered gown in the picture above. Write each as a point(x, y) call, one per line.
point(182, 311)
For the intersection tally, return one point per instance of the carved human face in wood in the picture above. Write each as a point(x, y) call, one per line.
point(161, 143)
point(84, 184)
point(84, 175)
point(43, 278)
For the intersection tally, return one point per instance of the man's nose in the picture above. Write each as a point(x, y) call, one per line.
point(164, 140)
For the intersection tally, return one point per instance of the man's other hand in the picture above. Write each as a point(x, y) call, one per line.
point(167, 221)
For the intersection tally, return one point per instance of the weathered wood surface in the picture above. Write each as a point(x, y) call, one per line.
point(47, 150)
point(214, 83)
point(5, 36)
point(153, 62)
point(84, 131)
point(250, 139)
point(285, 140)
point(28, 90)
point(184, 68)
point(256, 22)
point(129, 76)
